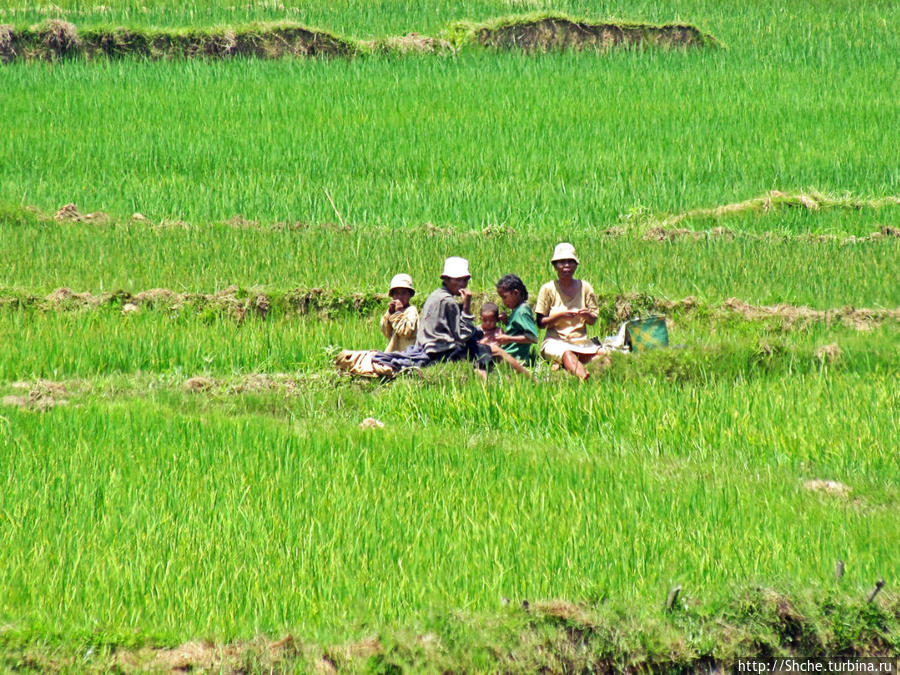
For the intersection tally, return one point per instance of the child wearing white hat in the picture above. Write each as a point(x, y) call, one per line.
point(400, 322)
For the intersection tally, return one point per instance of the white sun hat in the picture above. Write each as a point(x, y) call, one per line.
point(402, 281)
point(456, 268)
point(564, 251)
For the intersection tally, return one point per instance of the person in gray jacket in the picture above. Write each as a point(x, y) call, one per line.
point(447, 329)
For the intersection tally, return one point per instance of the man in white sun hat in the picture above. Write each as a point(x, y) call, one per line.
point(400, 322)
point(447, 330)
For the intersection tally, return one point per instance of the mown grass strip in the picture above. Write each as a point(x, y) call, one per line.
point(56, 39)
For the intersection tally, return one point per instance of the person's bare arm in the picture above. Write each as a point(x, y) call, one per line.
point(550, 319)
point(505, 339)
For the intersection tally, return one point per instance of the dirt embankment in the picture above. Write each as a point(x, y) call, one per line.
point(243, 304)
point(553, 33)
point(57, 39)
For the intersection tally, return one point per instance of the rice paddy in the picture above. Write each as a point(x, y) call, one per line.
point(185, 246)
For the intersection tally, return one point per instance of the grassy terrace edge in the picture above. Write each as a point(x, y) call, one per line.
point(255, 302)
point(56, 39)
point(544, 636)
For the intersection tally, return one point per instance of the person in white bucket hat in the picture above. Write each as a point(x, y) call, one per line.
point(565, 308)
point(400, 322)
point(447, 329)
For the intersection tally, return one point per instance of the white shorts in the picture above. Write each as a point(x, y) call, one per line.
point(553, 349)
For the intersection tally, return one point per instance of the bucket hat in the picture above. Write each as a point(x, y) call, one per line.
point(564, 251)
point(402, 281)
point(456, 268)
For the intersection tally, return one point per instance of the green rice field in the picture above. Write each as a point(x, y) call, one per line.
point(185, 484)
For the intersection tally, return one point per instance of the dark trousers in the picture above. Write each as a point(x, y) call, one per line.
point(480, 355)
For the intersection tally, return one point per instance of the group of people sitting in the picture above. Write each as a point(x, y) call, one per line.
point(446, 330)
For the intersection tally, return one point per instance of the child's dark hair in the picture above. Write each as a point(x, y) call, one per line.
point(513, 283)
point(490, 308)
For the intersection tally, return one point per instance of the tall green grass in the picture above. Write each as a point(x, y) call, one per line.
point(553, 142)
point(92, 343)
point(37, 259)
point(141, 511)
point(129, 520)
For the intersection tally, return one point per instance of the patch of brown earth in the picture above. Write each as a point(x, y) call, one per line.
point(558, 33)
point(352, 651)
point(670, 234)
point(566, 611)
point(156, 296)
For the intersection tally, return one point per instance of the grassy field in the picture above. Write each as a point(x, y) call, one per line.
point(801, 98)
point(189, 470)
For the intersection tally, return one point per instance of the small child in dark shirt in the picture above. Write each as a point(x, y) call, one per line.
point(490, 317)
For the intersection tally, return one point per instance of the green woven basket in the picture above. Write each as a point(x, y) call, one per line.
point(645, 334)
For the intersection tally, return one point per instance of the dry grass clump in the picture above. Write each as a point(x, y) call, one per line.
point(829, 487)
point(59, 37)
point(860, 319)
point(411, 43)
point(829, 354)
point(69, 213)
point(42, 395)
